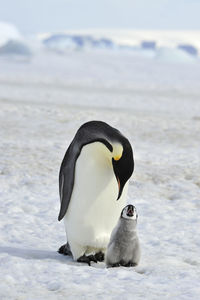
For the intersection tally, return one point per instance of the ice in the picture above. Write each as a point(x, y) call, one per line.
point(12, 44)
point(8, 32)
point(156, 105)
point(64, 42)
point(14, 47)
point(174, 55)
point(148, 45)
point(189, 49)
point(166, 45)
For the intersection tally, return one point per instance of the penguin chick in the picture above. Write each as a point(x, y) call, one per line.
point(124, 248)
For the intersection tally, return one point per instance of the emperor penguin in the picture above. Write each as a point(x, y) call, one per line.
point(124, 247)
point(93, 182)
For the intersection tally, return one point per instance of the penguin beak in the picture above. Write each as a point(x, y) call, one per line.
point(130, 212)
point(120, 179)
point(120, 188)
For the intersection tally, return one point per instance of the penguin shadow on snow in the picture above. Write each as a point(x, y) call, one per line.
point(30, 254)
point(36, 254)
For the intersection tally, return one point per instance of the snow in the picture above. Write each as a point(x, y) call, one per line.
point(156, 105)
point(8, 32)
point(168, 46)
point(12, 44)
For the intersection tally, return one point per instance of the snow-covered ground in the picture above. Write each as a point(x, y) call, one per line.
point(44, 99)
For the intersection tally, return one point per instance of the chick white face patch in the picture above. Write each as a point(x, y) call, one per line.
point(129, 212)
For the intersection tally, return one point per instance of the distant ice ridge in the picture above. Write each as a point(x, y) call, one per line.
point(169, 45)
point(174, 55)
point(15, 47)
point(8, 32)
point(62, 42)
point(12, 42)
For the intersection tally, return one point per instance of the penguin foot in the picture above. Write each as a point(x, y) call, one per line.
point(123, 264)
point(99, 256)
point(129, 264)
point(65, 250)
point(114, 265)
point(87, 259)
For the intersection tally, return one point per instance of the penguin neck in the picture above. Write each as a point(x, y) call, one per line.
point(128, 224)
point(98, 154)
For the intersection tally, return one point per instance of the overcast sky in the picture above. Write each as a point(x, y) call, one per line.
point(32, 16)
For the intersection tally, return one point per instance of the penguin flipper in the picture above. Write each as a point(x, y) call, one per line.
point(66, 179)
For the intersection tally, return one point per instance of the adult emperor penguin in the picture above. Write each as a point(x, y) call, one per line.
point(93, 184)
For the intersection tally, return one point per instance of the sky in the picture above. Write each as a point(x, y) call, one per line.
point(32, 16)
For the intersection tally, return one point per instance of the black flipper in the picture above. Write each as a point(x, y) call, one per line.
point(66, 178)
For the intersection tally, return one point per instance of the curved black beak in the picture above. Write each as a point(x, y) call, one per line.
point(121, 186)
point(123, 168)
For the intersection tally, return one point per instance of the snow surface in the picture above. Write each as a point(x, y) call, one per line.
point(157, 106)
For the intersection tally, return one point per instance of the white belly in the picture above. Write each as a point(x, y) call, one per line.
point(94, 209)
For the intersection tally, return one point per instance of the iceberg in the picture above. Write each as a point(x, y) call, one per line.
point(63, 42)
point(8, 32)
point(15, 47)
point(190, 49)
point(176, 55)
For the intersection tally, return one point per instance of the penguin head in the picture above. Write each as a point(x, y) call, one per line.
point(118, 145)
point(123, 164)
point(129, 212)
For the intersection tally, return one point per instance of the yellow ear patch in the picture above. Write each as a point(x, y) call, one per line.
point(117, 157)
point(117, 151)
